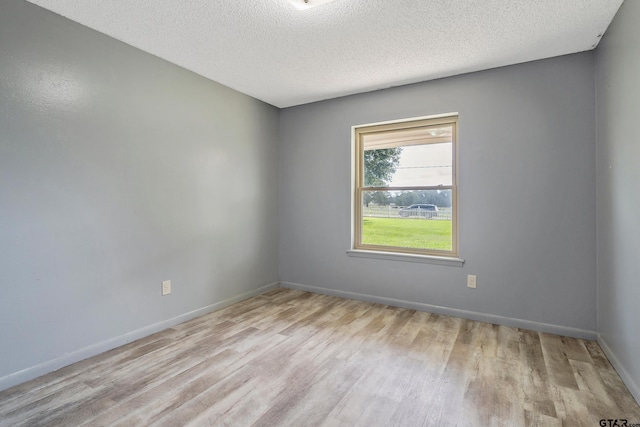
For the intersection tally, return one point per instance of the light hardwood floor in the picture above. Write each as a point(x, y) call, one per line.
point(291, 358)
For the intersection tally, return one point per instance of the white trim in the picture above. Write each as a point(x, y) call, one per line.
point(471, 315)
point(410, 119)
point(628, 380)
point(94, 349)
point(399, 256)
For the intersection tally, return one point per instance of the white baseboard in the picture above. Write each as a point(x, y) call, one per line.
point(92, 350)
point(471, 315)
point(628, 380)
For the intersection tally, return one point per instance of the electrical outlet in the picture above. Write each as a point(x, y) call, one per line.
point(166, 287)
point(471, 281)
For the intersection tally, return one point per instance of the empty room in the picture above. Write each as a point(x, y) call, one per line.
point(319, 213)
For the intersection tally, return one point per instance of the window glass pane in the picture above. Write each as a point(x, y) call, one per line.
point(424, 165)
point(408, 219)
point(419, 157)
point(380, 166)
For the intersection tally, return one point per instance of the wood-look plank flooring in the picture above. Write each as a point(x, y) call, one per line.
point(292, 358)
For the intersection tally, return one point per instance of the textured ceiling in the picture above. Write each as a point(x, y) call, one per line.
point(270, 50)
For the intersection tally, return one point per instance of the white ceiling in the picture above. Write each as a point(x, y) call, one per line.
point(284, 56)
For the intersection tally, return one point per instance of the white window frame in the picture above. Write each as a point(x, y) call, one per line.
point(359, 249)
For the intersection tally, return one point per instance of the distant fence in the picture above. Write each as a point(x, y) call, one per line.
point(403, 212)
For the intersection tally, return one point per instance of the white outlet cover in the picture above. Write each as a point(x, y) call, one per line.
point(471, 281)
point(166, 287)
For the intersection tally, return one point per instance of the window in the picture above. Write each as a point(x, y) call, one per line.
point(405, 187)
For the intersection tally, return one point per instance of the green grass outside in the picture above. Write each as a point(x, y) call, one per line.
point(415, 233)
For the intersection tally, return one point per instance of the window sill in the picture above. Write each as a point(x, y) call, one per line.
point(395, 256)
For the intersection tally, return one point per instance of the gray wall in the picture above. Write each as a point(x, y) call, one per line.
point(526, 196)
point(119, 170)
point(618, 193)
